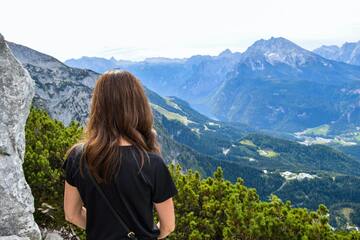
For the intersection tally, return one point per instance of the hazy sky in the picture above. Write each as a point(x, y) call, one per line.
point(137, 29)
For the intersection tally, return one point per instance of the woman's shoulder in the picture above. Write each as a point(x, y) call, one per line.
point(157, 163)
point(155, 158)
point(152, 161)
point(73, 154)
point(71, 163)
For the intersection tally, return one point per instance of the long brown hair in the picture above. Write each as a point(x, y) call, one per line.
point(119, 109)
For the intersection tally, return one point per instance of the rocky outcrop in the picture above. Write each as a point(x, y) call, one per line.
point(62, 91)
point(16, 200)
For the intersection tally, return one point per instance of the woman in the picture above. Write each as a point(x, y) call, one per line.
point(120, 151)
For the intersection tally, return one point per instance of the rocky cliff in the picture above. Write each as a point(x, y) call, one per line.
point(16, 201)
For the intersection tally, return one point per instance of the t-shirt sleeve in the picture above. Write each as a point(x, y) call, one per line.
point(71, 168)
point(163, 186)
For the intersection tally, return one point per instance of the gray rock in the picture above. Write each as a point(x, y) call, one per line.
point(16, 200)
point(53, 236)
point(14, 237)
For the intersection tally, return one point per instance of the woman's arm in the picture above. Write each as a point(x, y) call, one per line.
point(166, 214)
point(73, 206)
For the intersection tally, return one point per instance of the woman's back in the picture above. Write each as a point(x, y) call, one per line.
point(119, 112)
point(131, 193)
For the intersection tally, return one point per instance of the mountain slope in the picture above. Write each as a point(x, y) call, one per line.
point(193, 79)
point(61, 90)
point(230, 142)
point(279, 86)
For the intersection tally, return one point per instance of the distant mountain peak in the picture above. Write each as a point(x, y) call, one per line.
point(163, 60)
point(2, 40)
point(350, 44)
point(331, 47)
point(274, 44)
point(278, 50)
point(327, 51)
point(348, 53)
point(225, 53)
point(30, 56)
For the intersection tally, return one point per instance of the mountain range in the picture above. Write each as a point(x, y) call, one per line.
point(306, 175)
point(349, 52)
point(274, 85)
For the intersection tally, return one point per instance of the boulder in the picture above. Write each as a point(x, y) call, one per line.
point(16, 200)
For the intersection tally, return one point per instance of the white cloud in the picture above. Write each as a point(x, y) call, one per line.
point(175, 28)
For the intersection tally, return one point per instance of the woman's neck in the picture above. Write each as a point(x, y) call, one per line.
point(123, 142)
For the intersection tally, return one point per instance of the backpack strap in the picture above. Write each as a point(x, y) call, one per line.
point(130, 234)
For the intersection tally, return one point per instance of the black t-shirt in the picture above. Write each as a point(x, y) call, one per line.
point(139, 192)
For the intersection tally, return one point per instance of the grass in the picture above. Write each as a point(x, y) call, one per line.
point(172, 104)
point(247, 143)
point(171, 115)
point(267, 153)
point(321, 130)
